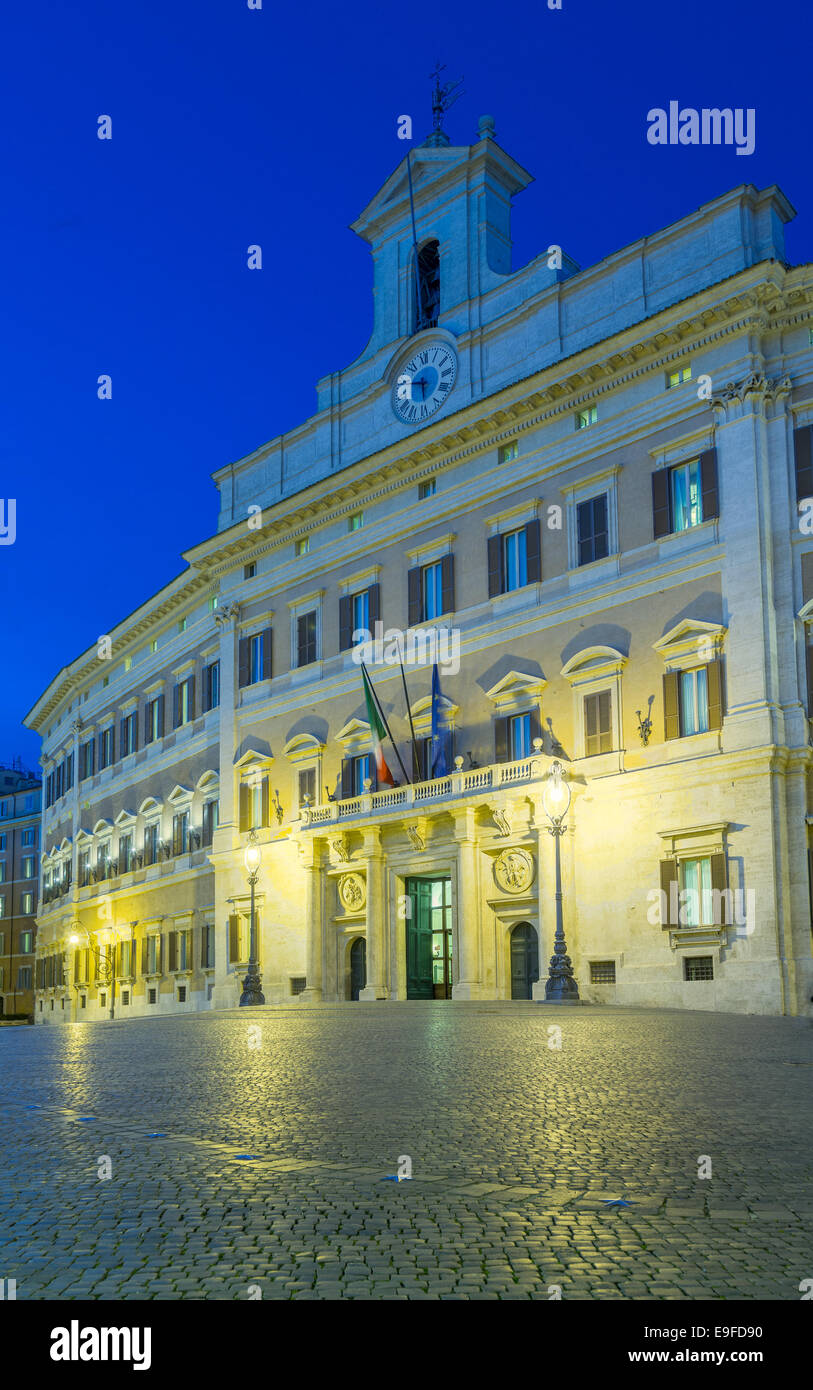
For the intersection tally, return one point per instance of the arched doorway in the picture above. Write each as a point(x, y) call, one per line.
point(358, 966)
point(524, 960)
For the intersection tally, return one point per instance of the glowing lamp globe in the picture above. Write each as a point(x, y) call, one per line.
point(252, 859)
point(556, 796)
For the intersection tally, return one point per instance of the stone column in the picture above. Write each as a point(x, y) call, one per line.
point(311, 856)
point(468, 911)
point(376, 987)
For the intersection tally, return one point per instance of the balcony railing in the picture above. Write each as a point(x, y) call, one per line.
point(456, 785)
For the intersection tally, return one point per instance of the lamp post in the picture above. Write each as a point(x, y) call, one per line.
point(252, 984)
point(560, 986)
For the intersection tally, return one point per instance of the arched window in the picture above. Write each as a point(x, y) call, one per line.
point(428, 287)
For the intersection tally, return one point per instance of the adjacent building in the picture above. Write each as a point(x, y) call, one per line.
point(583, 486)
point(20, 817)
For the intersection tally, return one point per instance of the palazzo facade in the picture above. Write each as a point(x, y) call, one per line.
point(587, 482)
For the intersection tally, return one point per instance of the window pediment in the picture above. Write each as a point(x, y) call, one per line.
point(690, 642)
point(149, 806)
point(355, 733)
point(125, 818)
point(180, 796)
point(302, 747)
point(515, 687)
point(594, 663)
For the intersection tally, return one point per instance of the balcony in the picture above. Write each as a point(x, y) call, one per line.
point(399, 801)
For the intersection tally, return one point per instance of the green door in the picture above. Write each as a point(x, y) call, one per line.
point(419, 939)
point(429, 938)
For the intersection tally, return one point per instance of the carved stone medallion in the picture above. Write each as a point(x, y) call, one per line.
point(514, 870)
point(352, 892)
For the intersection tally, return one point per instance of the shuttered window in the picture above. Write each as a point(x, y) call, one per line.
point(211, 686)
point(591, 529)
point(803, 461)
point(685, 495)
point(598, 736)
point(305, 639)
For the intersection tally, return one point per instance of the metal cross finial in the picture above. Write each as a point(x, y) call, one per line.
point(442, 97)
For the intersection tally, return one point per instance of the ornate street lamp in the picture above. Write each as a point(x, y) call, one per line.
point(252, 984)
point(560, 986)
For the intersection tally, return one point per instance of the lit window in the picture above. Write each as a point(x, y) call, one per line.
point(687, 501)
point(249, 570)
point(507, 452)
point(302, 546)
point(27, 903)
point(696, 908)
point(154, 644)
point(432, 596)
point(256, 658)
point(586, 417)
point(427, 488)
point(355, 521)
point(694, 701)
point(677, 377)
point(105, 681)
point(28, 866)
point(519, 737)
point(182, 624)
point(360, 604)
point(515, 560)
point(128, 662)
point(212, 602)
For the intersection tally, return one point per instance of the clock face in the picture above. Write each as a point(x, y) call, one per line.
point(423, 383)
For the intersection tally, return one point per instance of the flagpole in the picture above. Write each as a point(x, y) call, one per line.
point(384, 721)
point(416, 769)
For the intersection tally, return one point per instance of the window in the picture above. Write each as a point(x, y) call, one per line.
point(355, 770)
point(182, 624)
point(128, 731)
point(592, 530)
point(180, 833)
point(2, 870)
point(694, 706)
point(677, 377)
point(361, 611)
point(355, 521)
point(2, 910)
point(125, 997)
point(26, 942)
point(27, 904)
point(696, 904)
point(209, 822)
point(432, 592)
point(128, 663)
point(685, 495)
point(514, 559)
point(125, 961)
point(181, 994)
point(152, 957)
point(154, 720)
point(514, 736)
point(154, 644)
point(106, 749)
point(184, 709)
point(207, 949)
point(86, 760)
point(84, 868)
point(238, 938)
point(698, 968)
point(105, 682)
point(598, 737)
point(602, 972)
point(24, 977)
point(249, 570)
point(2, 842)
point(180, 950)
point(307, 786)
point(305, 639)
point(358, 614)
point(29, 836)
point(302, 545)
point(255, 658)
point(427, 488)
point(212, 603)
point(507, 452)
point(253, 802)
point(428, 287)
point(151, 844)
point(151, 996)
point(211, 686)
point(29, 866)
point(125, 853)
point(586, 417)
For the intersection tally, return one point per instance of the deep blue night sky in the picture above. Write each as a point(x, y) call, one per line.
point(233, 126)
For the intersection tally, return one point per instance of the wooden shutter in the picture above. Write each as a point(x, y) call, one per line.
point(234, 938)
point(661, 520)
point(495, 566)
point(708, 484)
point(374, 606)
point(206, 688)
point(176, 706)
point(191, 697)
point(373, 775)
point(671, 705)
point(147, 708)
point(160, 716)
point(536, 726)
point(173, 950)
point(447, 583)
point(719, 883)
point(533, 554)
point(669, 875)
point(346, 622)
point(243, 667)
point(245, 806)
point(123, 736)
point(302, 641)
point(809, 660)
point(101, 749)
point(347, 778)
point(804, 462)
point(264, 801)
point(414, 596)
point(807, 576)
point(590, 724)
point(714, 686)
point(266, 653)
point(501, 740)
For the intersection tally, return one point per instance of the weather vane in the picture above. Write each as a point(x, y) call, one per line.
point(442, 97)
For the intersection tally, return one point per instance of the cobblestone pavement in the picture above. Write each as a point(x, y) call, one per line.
point(516, 1147)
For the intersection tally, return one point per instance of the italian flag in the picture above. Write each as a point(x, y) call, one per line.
point(382, 772)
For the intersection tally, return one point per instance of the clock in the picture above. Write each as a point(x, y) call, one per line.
point(424, 382)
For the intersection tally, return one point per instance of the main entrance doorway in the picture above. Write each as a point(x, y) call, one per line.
point(429, 938)
point(358, 966)
point(524, 960)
